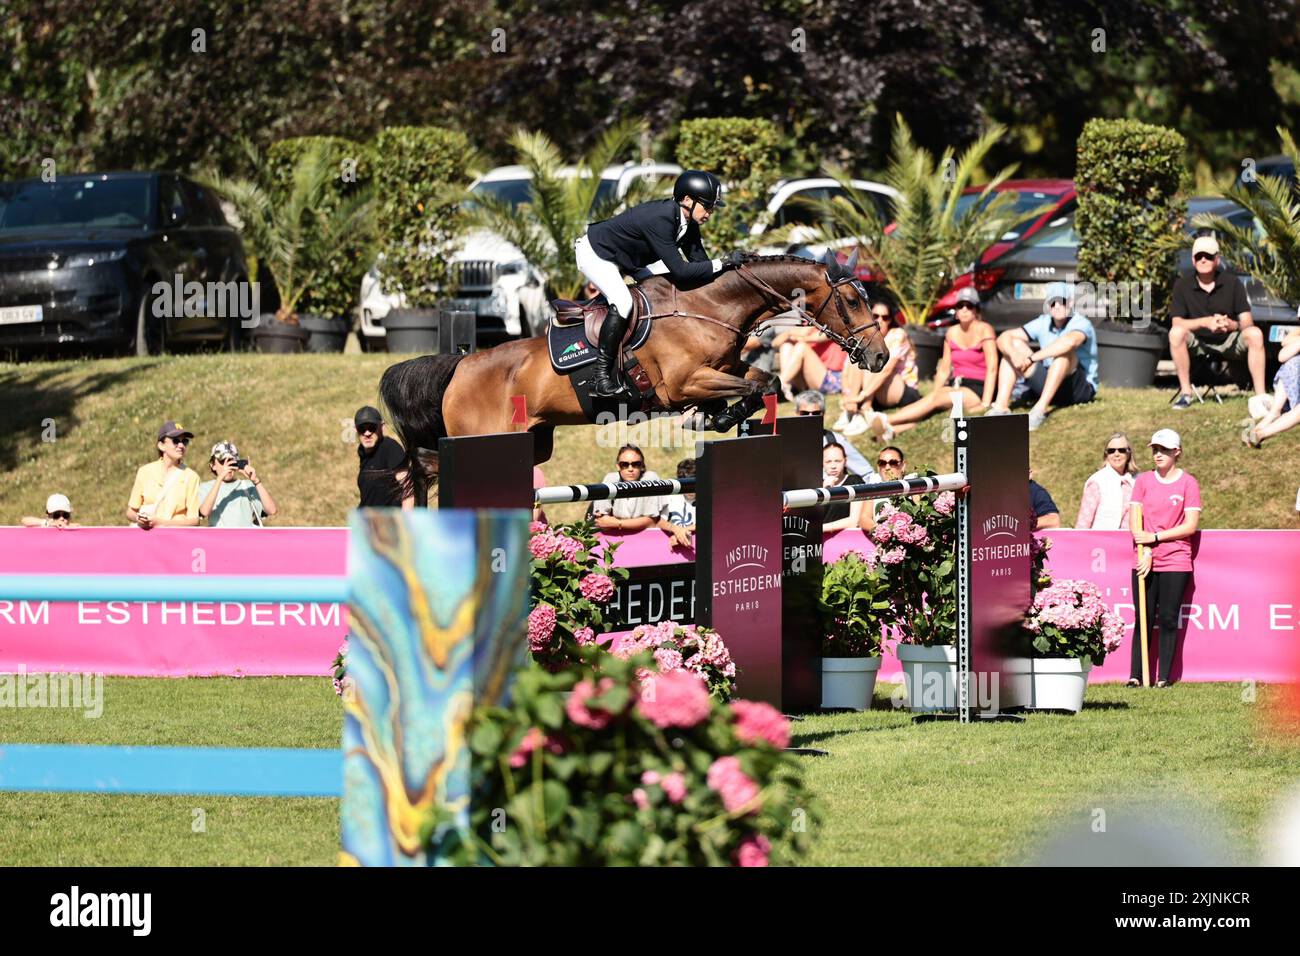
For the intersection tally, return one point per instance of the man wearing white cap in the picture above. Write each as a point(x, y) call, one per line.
point(1210, 316)
point(58, 514)
point(1165, 512)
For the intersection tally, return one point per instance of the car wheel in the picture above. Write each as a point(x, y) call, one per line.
point(150, 330)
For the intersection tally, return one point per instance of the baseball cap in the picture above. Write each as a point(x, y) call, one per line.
point(1166, 438)
point(57, 503)
point(173, 430)
point(367, 415)
point(970, 295)
point(224, 449)
point(1206, 244)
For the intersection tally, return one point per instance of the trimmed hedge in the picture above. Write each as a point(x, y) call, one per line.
point(336, 292)
point(418, 171)
point(1131, 179)
point(745, 155)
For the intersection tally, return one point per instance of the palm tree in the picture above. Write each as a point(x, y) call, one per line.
point(1270, 250)
point(930, 243)
point(562, 205)
point(293, 230)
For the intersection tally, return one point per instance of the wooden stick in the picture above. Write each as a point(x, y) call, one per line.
point(1142, 605)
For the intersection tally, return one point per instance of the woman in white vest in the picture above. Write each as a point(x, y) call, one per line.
point(1107, 492)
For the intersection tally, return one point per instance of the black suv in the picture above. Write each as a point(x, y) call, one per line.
point(83, 261)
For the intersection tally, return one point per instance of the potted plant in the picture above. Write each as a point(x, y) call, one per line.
point(418, 177)
point(1071, 630)
point(573, 581)
point(1130, 177)
point(290, 232)
point(854, 597)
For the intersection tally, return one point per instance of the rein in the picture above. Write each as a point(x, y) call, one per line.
point(849, 342)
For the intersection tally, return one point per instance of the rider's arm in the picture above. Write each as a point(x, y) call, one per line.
point(664, 243)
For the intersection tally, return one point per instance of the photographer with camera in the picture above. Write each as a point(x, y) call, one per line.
point(231, 501)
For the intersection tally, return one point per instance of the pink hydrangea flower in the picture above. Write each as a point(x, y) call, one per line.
point(731, 783)
point(577, 708)
point(668, 659)
point(584, 635)
point(754, 850)
point(649, 777)
point(568, 547)
point(535, 526)
point(676, 699)
point(945, 502)
point(541, 545)
point(891, 556)
point(541, 625)
point(597, 587)
point(674, 785)
point(756, 721)
point(640, 799)
point(532, 740)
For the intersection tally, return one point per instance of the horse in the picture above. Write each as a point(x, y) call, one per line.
point(692, 360)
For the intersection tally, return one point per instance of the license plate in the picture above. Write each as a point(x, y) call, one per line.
point(20, 314)
point(1031, 290)
point(1278, 332)
point(481, 306)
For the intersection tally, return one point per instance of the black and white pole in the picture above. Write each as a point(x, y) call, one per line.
point(608, 491)
point(811, 497)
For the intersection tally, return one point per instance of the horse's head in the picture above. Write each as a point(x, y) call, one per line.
point(841, 310)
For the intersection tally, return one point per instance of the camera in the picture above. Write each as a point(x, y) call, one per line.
point(241, 463)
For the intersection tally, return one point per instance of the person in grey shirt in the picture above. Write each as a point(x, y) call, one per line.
point(814, 403)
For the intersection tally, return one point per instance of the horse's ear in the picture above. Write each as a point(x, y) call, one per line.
point(852, 265)
point(829, 261)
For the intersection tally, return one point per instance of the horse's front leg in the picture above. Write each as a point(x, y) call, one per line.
point(710, 385)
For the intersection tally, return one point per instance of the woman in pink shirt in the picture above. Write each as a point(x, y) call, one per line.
point(1171, 512)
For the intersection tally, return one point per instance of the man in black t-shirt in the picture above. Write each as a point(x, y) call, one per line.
point(381, 458)
point(1211, 317)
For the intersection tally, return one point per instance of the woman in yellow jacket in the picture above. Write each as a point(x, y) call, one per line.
point(166, 492)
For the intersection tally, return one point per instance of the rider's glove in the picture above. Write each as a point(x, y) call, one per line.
point(733, 259)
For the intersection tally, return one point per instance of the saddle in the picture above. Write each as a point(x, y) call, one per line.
point(590, 313)
point(572, 341)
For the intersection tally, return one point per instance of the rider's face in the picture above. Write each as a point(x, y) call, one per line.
point(698, 212)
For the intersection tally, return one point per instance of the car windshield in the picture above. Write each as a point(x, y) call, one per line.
point(514, 191)
point(1057, 234)
point(75, 203)
point(1027, 200)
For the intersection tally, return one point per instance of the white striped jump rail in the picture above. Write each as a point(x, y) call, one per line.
point(607, 491)
point(811, 497)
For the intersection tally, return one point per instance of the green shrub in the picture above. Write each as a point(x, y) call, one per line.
point(418, 171)
point(1130, 177)
point(855, 607)
point(745, 155)
point(338, 275)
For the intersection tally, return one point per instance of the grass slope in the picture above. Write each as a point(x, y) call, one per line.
point(290, 416)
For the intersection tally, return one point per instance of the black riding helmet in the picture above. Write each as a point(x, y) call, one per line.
point(701, 186)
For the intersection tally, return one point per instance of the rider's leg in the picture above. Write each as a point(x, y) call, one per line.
point(609, 280)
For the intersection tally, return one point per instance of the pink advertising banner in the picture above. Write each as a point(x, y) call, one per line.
point(172, 637)
point(1241, 616)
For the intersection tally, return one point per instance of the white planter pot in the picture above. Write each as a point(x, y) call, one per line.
point(1049, 683)
point(849, 682)
point(929, 676)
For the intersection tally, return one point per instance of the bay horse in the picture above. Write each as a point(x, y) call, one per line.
point(692, 359)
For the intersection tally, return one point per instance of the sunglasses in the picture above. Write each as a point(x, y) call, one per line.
point(808, 411)
point(1055, 302)
point(182, 440)
point(367, 429)
point(631, 464)
point(1204, 257)
point(889, 462)
point(1115, 451)
point(880, 315)
point(1159, 450)
point(56, 515)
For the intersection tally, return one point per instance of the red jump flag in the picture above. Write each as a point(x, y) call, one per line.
point(521, 410)
point(769, 415)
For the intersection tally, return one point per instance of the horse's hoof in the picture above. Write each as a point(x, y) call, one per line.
point(698, 422)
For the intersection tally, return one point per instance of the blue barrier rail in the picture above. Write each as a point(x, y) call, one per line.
point(320, 589)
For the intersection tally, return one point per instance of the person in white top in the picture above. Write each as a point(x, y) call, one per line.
point(1107, 491)
point(626, 515)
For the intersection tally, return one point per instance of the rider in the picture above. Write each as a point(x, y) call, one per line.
point(662, 236)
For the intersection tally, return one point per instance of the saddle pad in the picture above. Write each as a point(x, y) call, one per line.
point(570, 349)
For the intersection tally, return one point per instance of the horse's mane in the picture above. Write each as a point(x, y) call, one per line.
point(786, 258)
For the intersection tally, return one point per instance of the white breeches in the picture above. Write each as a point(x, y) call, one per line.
point(604, 275)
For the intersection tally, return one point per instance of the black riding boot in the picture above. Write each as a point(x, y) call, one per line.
point(606, 384)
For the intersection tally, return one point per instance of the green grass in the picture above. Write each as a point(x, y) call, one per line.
point(894, 793)
point(289, 415)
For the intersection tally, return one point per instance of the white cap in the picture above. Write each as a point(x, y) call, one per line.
point(1166, 438)
point(1206, 244)
point(57, 503)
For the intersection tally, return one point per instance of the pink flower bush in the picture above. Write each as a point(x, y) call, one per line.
point(667, 660)
point(584, 636)
point(541, 625)
point(577, 708)
point(597, 587)
point(686, 648)
point(672, 784)
point(1070, 619)
point(532, 740)
point(754, 850)
point(756, 721)
point(731, 783)
point(675, 699)
point(945, 503)
point(535, 526)
point(546, 542)
point(640, 799)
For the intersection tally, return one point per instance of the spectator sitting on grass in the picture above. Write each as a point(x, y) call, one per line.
point(808, 357)
point(166, 492)
point(1284, 408)
point(58, 514)
point(1055, 354)
point(1107, 491)
point(892, 387)
point(1210, 317)
point(626, 515)
point(839, 514)
point(814, 403)
point(677, 516)
point(235, 497)
point(1046, 514)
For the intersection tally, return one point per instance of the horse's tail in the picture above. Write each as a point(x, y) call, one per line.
point(411, 392)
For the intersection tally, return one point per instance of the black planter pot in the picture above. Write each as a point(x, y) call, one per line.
point(412, 330)
point(326, 334)
point(1127, 357)
point(279, 338)
point(927, 343)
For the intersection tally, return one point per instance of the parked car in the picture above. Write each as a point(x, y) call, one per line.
point(1269, 166)
point(794, 203)
point(495, 282)
point(1057, 195)
point(80, 258)
point(1017, 280)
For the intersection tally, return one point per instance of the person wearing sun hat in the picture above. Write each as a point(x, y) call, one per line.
point(1165, 512)
point(166, 492)
point(58, 514)
point(236, 496)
